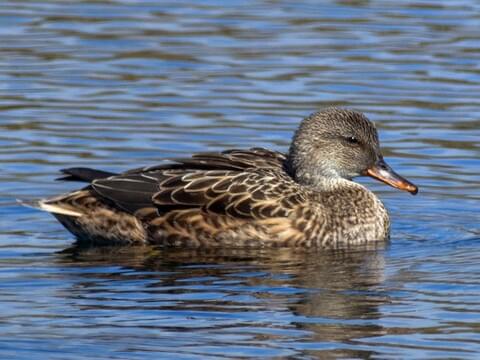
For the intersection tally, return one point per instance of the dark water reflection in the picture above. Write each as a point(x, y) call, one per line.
point(118, 84)
point(285, 299)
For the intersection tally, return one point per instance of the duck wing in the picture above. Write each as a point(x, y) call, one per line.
point(234, 159)
point(259, 193)
point(237, 183)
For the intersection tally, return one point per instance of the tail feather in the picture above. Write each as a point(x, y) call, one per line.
point(34, 204)
point(84, 174)
point(51, 207)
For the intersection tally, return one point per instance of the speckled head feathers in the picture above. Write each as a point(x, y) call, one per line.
point(333, 143)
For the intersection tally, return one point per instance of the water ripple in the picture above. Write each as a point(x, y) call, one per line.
point(115, 84)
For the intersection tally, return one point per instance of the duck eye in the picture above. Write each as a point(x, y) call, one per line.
point(352, 139)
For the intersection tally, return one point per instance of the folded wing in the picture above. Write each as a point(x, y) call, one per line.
point(236, 183)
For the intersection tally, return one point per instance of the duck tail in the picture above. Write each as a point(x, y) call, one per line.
point(84, 174)
point(51, 206)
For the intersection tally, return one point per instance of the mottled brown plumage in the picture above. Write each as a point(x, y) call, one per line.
point(242, 198)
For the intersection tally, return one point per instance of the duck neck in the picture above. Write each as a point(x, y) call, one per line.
point(319, 177)
point(330, 184)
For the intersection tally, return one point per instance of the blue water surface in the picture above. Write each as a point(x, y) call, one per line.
point(118, 84)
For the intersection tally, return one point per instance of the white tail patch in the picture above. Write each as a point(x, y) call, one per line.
point(52, 208)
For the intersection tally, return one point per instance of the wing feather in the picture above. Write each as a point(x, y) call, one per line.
point(235, 183)
point(234, 159)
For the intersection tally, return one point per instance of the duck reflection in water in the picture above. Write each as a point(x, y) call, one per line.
point(311, 296)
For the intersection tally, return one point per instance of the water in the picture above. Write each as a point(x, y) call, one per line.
point(118, 84)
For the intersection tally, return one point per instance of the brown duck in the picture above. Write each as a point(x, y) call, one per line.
point(238, 198)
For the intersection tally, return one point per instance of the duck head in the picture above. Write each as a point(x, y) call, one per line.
point(340, 143)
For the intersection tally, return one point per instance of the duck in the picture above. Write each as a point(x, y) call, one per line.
point(242, 197)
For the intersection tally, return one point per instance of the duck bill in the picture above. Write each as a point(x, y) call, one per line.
point(383, 172)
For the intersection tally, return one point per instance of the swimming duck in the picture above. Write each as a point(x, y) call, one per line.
point(242, 198)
